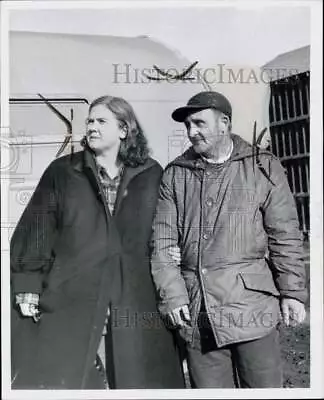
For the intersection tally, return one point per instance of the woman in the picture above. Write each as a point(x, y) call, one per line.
point(80, 251)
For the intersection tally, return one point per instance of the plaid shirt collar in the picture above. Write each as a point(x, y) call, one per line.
point(109, 185)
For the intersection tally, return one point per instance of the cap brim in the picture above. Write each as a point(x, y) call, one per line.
point(180, 114)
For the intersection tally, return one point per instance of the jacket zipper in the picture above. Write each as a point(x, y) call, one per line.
point(202, 190)
point(198, 306)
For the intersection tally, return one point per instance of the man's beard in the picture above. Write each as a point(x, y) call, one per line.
point(219, 149)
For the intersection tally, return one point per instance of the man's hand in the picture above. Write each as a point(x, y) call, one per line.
point(175, 253)
point(180, 316)
point(293, 311)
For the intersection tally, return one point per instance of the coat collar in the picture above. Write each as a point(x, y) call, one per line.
point(128, 175)
point(84, 162)
point(85, 159)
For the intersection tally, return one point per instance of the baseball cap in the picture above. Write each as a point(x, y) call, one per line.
point(201, 101)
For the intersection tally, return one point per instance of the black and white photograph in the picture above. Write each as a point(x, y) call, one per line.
point(161, 199)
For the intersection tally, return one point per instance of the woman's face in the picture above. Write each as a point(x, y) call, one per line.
point(103, 130)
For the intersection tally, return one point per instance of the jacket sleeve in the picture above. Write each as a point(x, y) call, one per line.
point(284, 237)
point(166, 273)
point(32, 241)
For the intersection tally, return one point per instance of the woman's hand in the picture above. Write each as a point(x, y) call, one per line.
point(28, 310)
point(28, 305)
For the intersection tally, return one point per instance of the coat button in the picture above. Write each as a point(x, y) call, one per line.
point(205, 236)
point(209, 202)
point(204, 271)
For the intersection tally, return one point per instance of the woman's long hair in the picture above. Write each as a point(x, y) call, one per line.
point(133, 150)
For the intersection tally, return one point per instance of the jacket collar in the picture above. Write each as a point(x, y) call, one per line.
point(241, 149)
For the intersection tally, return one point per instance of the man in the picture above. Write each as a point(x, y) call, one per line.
point(233, 216)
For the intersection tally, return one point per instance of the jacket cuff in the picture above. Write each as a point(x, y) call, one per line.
point(170, 305)
point(301, 296)
point(27, 283)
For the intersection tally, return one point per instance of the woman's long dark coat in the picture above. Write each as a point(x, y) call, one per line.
point(69, 249)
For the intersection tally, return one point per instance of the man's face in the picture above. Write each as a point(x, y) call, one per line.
point(103, 129)
point(206, 130)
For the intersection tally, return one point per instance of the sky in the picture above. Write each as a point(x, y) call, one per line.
point(247, 36)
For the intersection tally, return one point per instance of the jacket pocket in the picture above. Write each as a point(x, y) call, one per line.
point(259, 283)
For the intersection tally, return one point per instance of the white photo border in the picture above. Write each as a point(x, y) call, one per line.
point(316, 211)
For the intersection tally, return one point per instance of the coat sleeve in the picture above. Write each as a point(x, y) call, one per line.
point(284, 237)
point(32, 241)
point(166, 273)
